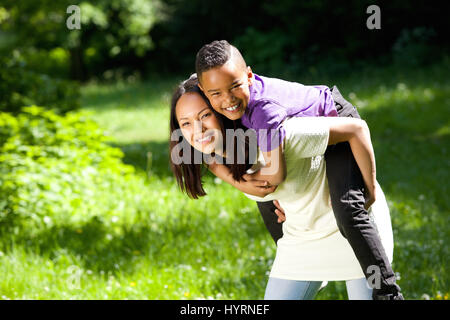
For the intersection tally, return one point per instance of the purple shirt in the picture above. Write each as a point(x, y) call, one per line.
point(273, 100)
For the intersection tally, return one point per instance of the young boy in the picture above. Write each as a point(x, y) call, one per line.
point(263, 103)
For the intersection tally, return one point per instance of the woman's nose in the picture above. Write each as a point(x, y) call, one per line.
point(198, 126)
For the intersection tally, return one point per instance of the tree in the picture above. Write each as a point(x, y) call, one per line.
point(111, 30)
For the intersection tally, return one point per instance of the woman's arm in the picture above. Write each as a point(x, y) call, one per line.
point(274, 172)
point(357, 133)
point(252, 186)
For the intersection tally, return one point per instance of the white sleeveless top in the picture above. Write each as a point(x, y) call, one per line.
point(312, 247)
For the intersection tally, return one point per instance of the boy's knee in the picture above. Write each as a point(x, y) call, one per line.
point(348, 216)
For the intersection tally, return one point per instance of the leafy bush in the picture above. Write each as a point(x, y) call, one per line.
point(20, 86)
point(58, 170)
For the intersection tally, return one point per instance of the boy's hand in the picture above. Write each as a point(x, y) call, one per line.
point(279, 212)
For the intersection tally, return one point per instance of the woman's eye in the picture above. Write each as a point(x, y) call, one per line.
point(206, 115)
point(185, 124)
point(215, 94)
point(235, 87)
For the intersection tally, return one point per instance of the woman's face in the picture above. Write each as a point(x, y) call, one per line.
point(198, 123)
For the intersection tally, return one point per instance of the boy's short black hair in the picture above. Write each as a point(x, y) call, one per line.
point(216, 54)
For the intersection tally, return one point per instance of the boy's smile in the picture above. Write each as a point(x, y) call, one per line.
point(227, 88)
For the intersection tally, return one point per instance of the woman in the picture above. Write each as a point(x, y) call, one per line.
point(312, 249)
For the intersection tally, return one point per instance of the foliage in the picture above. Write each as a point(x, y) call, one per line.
point(20, 86)
point(414, 47)
point(164, 35)
point(266, 50)
point(57, 169)
point(111, 31)
point(297, 34)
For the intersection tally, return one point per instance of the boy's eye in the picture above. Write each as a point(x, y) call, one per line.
point(236, 86)
point(215, 94)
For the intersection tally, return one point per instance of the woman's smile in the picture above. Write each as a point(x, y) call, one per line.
point(205, 140)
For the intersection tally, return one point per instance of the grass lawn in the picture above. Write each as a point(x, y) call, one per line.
point(217, 247)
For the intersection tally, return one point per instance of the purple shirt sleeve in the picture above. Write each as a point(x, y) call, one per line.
point(268, 117)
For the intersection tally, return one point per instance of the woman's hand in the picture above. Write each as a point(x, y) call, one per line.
point(255, 187)
point(259, 188)
point(279, 212)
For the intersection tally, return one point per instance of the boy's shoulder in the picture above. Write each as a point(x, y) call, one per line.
point(272, 93)
point(264, 113)
point(275, 89)
point(277, 83)
point(286, 94)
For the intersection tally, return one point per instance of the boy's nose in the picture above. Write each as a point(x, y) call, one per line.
point(229, 99)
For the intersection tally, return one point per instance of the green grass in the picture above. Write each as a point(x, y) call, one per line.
point(217, 247)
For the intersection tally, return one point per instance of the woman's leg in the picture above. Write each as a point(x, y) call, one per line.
point(358, 289)
point(282, 289)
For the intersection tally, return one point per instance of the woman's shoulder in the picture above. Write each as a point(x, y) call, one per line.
point(306, 136)
point(307, 123)
point(306, 127)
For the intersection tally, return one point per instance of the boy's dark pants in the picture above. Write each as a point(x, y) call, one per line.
point(347, 198)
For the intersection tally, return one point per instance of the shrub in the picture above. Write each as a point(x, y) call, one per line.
point(57, 170)
point(20, 86)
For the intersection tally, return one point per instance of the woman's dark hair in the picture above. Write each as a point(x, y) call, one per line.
point(189, 175)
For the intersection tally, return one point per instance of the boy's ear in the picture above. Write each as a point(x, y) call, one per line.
point(249, 76)
point(200, 86)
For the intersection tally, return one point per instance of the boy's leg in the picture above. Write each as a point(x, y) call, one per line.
point(267, 210)
point(347, 198)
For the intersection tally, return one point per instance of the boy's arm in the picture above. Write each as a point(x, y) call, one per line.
point(269, 116)
point(252, 186)
point(357, 133)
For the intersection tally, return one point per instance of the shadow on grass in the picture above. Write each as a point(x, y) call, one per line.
point(100, 247)
point(153, 156)
point(164, 242)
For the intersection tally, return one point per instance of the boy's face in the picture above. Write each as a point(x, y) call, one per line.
point(227, 88)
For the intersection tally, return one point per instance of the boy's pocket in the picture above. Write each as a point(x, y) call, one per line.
point(344, 108)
